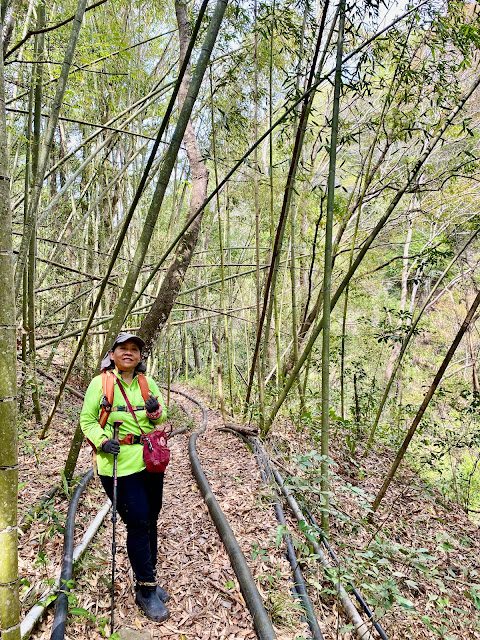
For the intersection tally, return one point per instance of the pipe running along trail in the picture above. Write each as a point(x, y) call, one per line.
point(361, 627)
point(261, 621)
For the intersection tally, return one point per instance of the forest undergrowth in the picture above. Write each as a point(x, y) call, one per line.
point(417, 565)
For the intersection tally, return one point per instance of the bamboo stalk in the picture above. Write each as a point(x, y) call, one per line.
point(28, 173)
point(327, 279)
point(9, 600)
point(269, 293)
point(266, 348)
point(260, 377)
point(31, 267)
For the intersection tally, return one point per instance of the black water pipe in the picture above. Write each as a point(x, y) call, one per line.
point(299, 582)
point(355, 591)
point(262, 623)
point(61, 605)
point(359, 624)
point(361, 601)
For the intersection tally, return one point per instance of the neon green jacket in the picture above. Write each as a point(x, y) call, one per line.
point(130, 458)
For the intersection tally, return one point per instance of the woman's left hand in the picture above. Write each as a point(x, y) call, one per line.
point(152, 407)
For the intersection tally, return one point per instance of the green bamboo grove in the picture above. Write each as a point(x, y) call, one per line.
point(282, 200)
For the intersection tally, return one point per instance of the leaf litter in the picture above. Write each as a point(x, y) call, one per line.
point(428, 548)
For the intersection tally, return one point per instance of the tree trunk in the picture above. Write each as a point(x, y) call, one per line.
point(161, 188)
point(174, 277)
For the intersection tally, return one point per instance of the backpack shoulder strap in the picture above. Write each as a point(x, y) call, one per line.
point(142, 381)
point(108, 389)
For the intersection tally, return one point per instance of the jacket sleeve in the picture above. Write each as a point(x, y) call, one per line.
point(154, 390)
point(90, 413)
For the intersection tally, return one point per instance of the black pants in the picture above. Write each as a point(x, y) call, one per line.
point(139, 500)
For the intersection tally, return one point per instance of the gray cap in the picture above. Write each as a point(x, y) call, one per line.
point(124, 337)
point(107, 362)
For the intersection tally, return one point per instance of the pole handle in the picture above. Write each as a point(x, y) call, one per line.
point(116, 428)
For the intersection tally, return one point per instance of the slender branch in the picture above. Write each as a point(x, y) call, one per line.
point(327, 276)
point(88, 124)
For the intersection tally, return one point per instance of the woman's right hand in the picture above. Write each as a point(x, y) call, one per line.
point(111, 446)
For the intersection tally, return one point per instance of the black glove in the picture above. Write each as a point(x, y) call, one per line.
point(111, 446)
point(152, 405)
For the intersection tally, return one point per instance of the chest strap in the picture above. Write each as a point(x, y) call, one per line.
point(123, 407)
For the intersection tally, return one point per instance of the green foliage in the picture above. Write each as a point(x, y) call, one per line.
point(281, 532)
point(257, 552)
point(395, 331)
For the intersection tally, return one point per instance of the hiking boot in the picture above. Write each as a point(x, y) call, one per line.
point(151, 605)
point(162, 594)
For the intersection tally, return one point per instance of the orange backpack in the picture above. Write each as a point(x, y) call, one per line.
point(108, 387)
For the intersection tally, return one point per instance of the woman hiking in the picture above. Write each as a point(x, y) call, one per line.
point(139, 492)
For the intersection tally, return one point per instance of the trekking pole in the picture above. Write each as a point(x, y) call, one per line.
point(116, 426)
